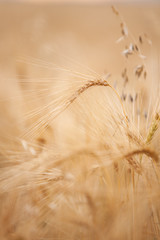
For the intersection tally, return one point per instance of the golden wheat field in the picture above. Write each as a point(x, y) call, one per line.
point(79, 121)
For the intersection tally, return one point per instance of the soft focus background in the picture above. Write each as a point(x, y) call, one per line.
point(83, 31)
point(34, 37)
point(87, 31)
point(72, 164)
point(39, 41)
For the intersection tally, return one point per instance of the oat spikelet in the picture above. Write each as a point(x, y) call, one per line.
point(115, 11)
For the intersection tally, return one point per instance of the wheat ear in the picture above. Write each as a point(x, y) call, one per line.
point(153, 128)
point(146, 151)
point(92, 83)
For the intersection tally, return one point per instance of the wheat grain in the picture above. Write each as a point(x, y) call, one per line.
point(153, 128)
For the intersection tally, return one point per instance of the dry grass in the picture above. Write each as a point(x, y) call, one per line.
point(79, 148)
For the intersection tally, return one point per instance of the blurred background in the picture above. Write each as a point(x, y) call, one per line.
point(36, 30)
point(33, 36)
